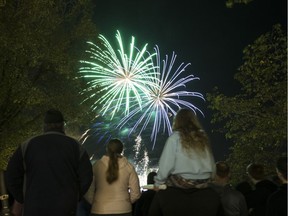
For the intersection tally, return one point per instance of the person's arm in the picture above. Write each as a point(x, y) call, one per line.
point(166, 162)
point(85, 173)
point(134, 186)
point(15, 175)
point(89, 196)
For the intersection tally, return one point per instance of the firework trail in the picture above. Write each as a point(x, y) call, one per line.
point(141, 160)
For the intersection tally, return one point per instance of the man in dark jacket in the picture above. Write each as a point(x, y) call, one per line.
point(233, 202)
point(142, 205)
point(257, 198)
point(49, 173)
point(277, 202)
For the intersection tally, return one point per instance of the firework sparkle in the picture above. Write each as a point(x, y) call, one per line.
point(164, 98)
point(122, 77)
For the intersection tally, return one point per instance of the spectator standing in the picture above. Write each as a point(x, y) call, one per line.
point(142, 205)
point(186, 166)
point(233, 201)
point(49, 173)
point(277, 202)
point(257, 198)
point(244, 187)
point(186, 160)
point(115, 185)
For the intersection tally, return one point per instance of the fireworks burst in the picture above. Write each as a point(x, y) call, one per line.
point(162, 100)
point(139, 86)
point(122, 78)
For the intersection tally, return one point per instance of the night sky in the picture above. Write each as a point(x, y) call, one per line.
point(204, 33)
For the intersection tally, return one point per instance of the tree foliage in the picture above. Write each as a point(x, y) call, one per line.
point(256, 119)
point(39, 56)
point(231, 3)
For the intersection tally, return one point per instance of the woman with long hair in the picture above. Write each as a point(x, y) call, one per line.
point(115, 185)
point(186, 160)
point(186, 166)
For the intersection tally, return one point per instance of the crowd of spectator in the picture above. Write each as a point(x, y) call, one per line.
point(51, 175)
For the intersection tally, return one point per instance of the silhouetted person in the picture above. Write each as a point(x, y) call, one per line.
point(233, 201)
point(142, 205)
point(244, 187)
point(277, 202)
point(49, 173)
point(256, 200)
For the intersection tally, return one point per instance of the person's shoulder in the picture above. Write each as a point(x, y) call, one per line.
point(72, 139)
point(280, 192)
point(34, 137)
point(230, 194)
point(58, 135)
point(124, 163)
point(174, 136)
point(24, 145)
point(233, 192)
point(216, 187)
point(102, 162)
point(277, 197)
point(266, 183)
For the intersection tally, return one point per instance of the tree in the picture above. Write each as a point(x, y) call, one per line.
point(39, 59)
point(256, 119)
point(231, 3)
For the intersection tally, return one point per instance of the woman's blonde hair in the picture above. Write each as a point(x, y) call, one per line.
point(114, 150)
point(192, 135)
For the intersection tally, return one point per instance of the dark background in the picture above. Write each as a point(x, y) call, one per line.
point(206, 34)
